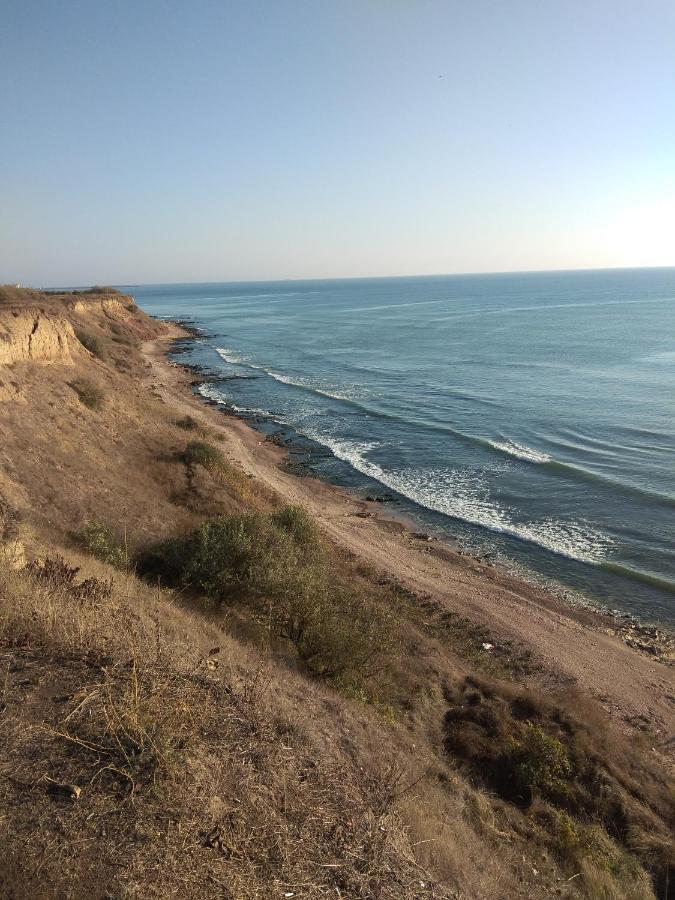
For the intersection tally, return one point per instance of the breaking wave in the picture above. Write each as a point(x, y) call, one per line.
point(209, 392)
point(464, 496)
point(520, 451)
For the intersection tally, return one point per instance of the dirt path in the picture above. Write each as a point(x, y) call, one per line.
point(576, 647)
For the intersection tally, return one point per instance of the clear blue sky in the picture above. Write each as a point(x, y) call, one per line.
point(195, 140)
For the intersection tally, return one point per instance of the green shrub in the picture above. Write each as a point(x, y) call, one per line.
point(539, 763)
point(243, 555)
point(91, 342)
point(298, 523)
point(102, 542)
point(276, 565)
point(345, 636)
point(99, 289)
point(202, 454)
point(88, 393)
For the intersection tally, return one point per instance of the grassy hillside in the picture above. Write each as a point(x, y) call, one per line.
point(203, 696)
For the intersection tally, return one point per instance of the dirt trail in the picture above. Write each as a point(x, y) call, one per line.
point(576, 647)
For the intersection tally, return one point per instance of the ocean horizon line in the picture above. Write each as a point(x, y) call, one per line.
point(356, 278)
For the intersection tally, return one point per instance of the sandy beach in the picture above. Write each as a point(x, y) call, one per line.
point(573, 647)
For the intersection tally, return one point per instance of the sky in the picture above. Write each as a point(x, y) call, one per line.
point(208, 140)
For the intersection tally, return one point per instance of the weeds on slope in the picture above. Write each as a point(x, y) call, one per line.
point(88, 393)
point(601, 801)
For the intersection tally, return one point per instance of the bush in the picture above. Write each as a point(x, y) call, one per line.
point(99, 289)
point(202, 454)
point(343, 637)
point(91, 342)
point(243, 555)
point(298, 523)
point(277, 566)
point(104, 544)
point(88, 393)
point(522, 746)
point(538, 763)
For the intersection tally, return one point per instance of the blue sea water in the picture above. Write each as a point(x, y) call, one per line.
point(529, 416)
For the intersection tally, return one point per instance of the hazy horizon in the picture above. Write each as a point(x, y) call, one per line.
point(165, 143)
point(376, 277)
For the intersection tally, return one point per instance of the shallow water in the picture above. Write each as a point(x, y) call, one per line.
point(528, 415)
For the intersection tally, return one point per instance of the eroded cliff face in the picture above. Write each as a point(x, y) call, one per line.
point(34, 336)
point(38, 328)
point(43, 328)
point(111, 307)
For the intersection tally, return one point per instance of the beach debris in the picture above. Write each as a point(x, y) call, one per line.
point(211, 661)
point(214, 840)
point(487, 646)
point(421, 535)
point(60, 789)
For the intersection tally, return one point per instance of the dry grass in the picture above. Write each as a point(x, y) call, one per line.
point(145, 736)
point(149, 708)
point(91, 342)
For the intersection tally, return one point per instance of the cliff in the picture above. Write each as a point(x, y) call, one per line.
point(35, 337)
point(43, 328)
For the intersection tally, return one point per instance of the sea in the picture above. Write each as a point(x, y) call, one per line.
point(527, 417)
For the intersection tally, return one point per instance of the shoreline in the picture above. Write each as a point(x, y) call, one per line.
point(626, 665)
point(654, 637)
point(602, 585)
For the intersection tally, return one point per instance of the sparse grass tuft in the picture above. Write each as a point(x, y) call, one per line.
point(88, 393)
point(187, 423)
point(91, 342)
point(133, 733)
point(57, 574)
point(200, 453)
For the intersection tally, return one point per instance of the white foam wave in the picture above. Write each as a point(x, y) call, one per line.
point(520, 451)
point(459, 494)
point(232, 357)
point(209, 392)
point(464, 496)
point(309, 384)
point(250, 410)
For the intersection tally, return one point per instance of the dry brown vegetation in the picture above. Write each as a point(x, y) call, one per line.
point(202, 696)
point(178, 752)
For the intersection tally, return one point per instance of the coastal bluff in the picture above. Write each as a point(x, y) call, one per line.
point(43, 326)
point(37, 326)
